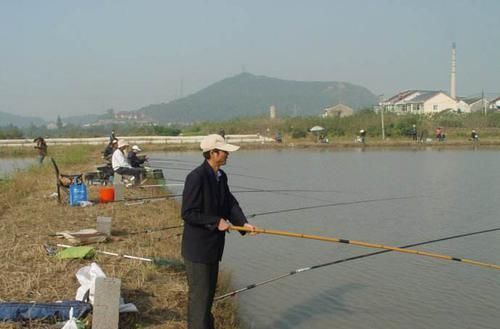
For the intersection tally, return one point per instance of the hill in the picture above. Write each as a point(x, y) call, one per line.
point(247, 95)
point(7, 119)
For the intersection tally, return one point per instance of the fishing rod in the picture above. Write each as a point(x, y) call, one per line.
point(136, 201)
point(253, 190)
point(151, 230)
point(231, 173)
point(171, 160)
point(330, 205)
point(285, 191)
point(364, 244)
point(344, 260)
point(156, 261)
point(159, 185)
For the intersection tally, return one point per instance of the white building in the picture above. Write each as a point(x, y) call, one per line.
point(495, 104)
point(419, 102)
point(337, 111)
point(473, 104)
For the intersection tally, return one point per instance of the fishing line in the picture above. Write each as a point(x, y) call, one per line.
point(365, 244)
point(344, 260)
point(171, 160)
point(330, 205)
point(229, 173)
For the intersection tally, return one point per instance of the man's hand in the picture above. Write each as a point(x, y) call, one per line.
point(250, 227)
point(223, 225)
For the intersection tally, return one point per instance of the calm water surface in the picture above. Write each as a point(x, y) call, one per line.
point(447, 193)
point(8, 165)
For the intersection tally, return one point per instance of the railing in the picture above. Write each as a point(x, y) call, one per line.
point(135, 140)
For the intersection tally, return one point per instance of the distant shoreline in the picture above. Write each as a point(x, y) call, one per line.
point(374, 144)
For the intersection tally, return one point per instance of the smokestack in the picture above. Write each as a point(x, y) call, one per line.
point(453, 83)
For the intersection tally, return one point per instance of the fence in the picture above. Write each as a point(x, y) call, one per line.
point(135, 140)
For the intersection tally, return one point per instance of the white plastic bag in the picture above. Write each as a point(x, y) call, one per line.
point(86, 277)
point(73, 323)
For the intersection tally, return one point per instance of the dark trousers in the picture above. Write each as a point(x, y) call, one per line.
point(202, 281)
point(136, 172)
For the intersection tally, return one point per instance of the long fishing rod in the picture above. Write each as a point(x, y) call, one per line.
point(159, 185)
point(231, 173)
point(139, 201)
point(330, 205)
point(171, 196)
point(364, 244)
point(156, 229)
point(344, 260)
point(172, 160)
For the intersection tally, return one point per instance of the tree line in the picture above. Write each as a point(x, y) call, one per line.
point(456, 125)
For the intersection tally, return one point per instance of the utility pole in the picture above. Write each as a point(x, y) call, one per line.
point(381, 107)
point(485, 110)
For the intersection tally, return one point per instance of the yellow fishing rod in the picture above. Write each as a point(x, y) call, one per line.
point(364, 244)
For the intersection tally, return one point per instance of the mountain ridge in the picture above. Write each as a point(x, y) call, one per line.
point(7, 119)
point(246, 95)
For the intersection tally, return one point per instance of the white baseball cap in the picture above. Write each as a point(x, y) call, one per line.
point(216, 142)
point(136, 148)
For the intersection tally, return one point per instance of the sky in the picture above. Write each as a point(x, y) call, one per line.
point(79, 57)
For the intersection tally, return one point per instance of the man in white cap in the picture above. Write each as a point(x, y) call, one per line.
point(121, 165)
point(207, 208)
point(134, 160)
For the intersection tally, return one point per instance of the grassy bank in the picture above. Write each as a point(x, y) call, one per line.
point(29, 215)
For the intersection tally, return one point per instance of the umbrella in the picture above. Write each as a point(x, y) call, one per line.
point(316, 128)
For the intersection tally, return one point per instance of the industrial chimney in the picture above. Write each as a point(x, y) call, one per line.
point(272, 112)
point(453, 83)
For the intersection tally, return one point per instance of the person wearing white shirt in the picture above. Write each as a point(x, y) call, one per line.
point(121, 165)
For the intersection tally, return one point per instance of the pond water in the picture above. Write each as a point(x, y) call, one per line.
point(8, 165)
point(391, 197)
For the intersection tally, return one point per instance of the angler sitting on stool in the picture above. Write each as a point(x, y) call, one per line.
point(474, 136)
point(136, 161)
point(121, 165)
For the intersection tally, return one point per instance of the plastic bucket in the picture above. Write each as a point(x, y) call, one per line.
point(106, 194)
point(77, 192)
point(104, 225)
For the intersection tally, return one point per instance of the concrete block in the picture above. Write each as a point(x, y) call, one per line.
point(106, 303)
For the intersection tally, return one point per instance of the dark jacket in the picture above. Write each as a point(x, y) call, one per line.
point(204, 202)
point(134, 160)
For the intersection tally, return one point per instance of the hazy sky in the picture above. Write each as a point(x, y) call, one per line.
point(77, 57)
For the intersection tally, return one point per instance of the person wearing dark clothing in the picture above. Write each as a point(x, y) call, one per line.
point(207, 206)
point(413, 132)
point(278, 138)
point(112, 137)
point(110, 148)
point(135, 160)
point(222, 133)
point(362, 136)
point(41, 147)
point(474, 135)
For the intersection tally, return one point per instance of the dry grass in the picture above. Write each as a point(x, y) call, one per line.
point(28, 215)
